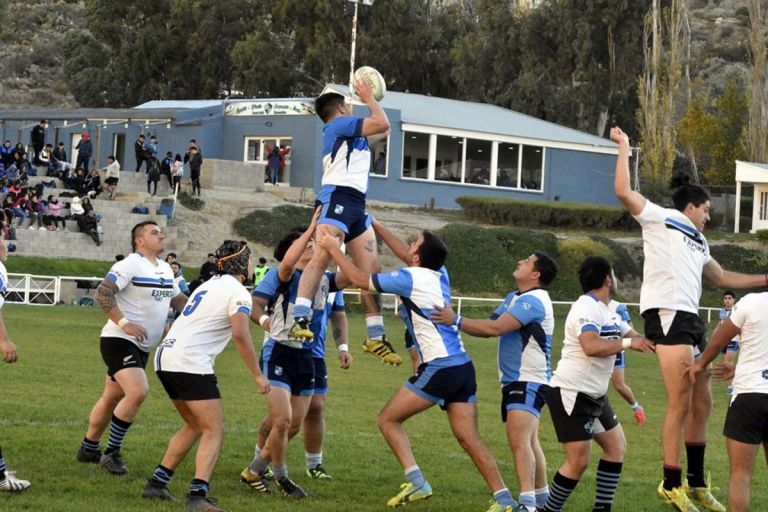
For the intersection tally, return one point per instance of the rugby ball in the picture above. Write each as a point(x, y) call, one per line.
point(374, 80)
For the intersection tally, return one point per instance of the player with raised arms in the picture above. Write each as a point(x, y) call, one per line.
point(676, 257)
point(346, 165)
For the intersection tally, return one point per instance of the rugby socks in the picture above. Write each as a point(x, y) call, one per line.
point(161, 476)
point(198, 487)
point(504, 498)
point(117, 430)
point(313, 459)
point(673, 477)
point(2, 466)
point(541, 496)
point(89, 445)
point(695, 473)
point(257, 452)
point(280, 472)
point(561, 490)
point(302, 308)
point(258, 465)
point(608, 474)
point(375, 326)
point(528, 499)
point(413, 475)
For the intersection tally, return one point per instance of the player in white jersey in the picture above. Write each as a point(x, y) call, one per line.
point(746, 423)
point(524, 323)
point(218, 310)
point(135, 296)
point(676, 258)
point(617, 377)
point(346, 165)
point(447, 375)
point(8, 480)
point(577, 397)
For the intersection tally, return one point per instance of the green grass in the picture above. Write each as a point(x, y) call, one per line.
point(57, 266)
point(47, 395)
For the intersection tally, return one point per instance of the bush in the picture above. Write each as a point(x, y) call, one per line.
point(268, 227)
point(191, 202)
point(623, 263)
point(481, 261)
point(503, 211)
point(762, 234)
point(575, 250)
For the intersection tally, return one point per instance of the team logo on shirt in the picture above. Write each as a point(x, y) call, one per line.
point(278, 370)
point(338, 209)
point(159, 295)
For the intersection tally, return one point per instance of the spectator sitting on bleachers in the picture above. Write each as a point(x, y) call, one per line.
point(60, 153)
point(6, 153)
point(76, 209)
point(54, 215)
point(89, 224)
point(36, 212)
point(20, 207)
point(8, 209)
point(77, 183)
point(92, 184)
point(112, 177)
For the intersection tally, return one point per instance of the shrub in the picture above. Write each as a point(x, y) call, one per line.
point(481, 261)
point(762, 234)
point(574, 250)
point(268, 227)
point(191, 202)
point(623, 263)
point(503, 211)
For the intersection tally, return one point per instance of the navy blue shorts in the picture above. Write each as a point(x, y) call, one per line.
point(445, 385)
point(620, 361)
point(344, 208)
point(523, 396)
point(289, 368)
point(321, 376)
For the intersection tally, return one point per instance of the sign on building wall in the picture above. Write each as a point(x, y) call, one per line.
point(270, 108)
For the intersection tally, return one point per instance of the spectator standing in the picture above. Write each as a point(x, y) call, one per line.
point(153, 175)
point(177, 171)
point(37, 138)
point(152, 148)
point(111, 177)
point(276, 161)
point(195, 163)
point(208, 270)
point(141, 152)
point(260, 271)
point(84, 152)
point(60, 153)
point(165, 167)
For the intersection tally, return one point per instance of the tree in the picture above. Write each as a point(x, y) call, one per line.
point(756, 134)
point(666, 39)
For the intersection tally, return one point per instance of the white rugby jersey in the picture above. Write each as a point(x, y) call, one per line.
point(204, 328)
point(146, 290)
point(675, 255)
point(3, 283)
point(346, 156)
point(750, 315)
point(576, 370)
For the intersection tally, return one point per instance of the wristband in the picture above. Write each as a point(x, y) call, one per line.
point(459, 321)
point(263, 319)
point(343, 347)
point(626, 343)
point(122, 322)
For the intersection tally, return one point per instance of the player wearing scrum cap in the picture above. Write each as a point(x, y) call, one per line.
point(218, 310)
point(135, 296)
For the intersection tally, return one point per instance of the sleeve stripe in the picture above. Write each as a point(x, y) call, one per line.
point(589, 327)
point(112, 277)
point(244, 309)
point(375, 282)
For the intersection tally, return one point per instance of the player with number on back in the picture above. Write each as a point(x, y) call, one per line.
point(346, 165)
point(218, 310)
point(135, 296)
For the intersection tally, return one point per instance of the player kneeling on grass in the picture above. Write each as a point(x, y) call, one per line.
point(447, 375)
point(217, 311)
point(746, 423)
point(8, 480)
point(577, 402)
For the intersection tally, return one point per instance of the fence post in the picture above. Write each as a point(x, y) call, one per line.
point(458, 307)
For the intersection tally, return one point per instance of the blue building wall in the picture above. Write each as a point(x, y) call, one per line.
point(580, 177)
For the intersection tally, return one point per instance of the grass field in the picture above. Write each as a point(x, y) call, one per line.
point(47, 395)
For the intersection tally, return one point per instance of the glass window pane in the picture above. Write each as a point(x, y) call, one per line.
point(379, 158)
point(478, 162)
point(266, 145)
point(253, 149)
point(448, 160)
point(531, 173)
point(506, 175)
point(416, 155)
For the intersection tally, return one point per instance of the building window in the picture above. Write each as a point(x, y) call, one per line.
point(257, 148)
point(532, 165)
point(478, 167)
point(507, 166)
point(380, 157)
point(415, 155)
point(449, 158)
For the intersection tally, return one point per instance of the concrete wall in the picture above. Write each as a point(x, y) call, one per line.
point(228, 173)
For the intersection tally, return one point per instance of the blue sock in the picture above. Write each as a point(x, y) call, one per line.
point(302, 308)
point(541, 496)
point(117, 430)
point(162, 475)
point(529, 499)
point(413, 474)
point(198, 487)
point(375, 326)
point(504, 498)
